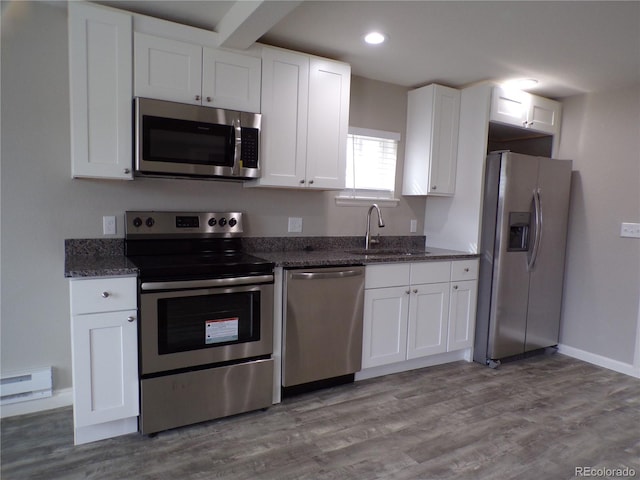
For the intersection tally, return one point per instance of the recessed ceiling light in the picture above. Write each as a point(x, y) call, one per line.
point(374, 38)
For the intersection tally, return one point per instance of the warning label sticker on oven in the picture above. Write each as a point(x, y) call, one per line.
point(222, 330)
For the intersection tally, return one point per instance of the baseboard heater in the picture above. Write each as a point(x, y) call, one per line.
point(20, 387)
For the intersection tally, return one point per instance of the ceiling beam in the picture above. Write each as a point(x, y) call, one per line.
point(248, 20)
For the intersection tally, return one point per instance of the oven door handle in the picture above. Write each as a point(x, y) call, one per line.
point(213, 282)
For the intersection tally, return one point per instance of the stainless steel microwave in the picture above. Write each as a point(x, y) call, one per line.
point(180, 140)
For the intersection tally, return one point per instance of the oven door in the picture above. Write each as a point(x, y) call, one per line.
point(192, 328)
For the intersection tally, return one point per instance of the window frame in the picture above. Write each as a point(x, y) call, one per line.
point(354, 197)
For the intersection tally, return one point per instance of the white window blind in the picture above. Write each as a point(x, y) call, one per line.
point(371, 163)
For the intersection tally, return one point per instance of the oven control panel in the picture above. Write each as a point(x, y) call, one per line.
point(182, 224)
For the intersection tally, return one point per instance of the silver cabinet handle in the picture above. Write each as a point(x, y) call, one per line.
point(126, 171)
point(325, 275)
point(301, 181)
point(434, 187)
point(131, 319)
point(198, 98)
point(466, 269)
point(415, 290)
point(310, 182)
point(208, 99)
point(105, 294)
point(407, 292)
point(455, 287)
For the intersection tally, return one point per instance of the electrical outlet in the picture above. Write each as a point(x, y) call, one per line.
point(109, 225)
point(295, 224)
point(414, 226)
point(630, 230)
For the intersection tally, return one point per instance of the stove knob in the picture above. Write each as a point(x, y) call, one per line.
point(233, 222)
point(149, 222)
point(137, 222)
point(223, 222)
point(212, 222)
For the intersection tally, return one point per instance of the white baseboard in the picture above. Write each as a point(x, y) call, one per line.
point(615, 365)
point(422, 362)
point(60, 398)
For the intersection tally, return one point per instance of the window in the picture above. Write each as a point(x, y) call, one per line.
point(371, 165)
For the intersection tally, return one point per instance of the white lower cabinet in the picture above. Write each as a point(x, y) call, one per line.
point(104, 344)
point(418, 309)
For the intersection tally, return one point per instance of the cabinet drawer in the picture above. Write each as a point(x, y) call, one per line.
point(430, 272)
point(103, 295)
point(387, 275)
point(464, 270)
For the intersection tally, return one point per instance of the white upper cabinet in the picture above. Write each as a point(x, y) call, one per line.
point(231, 80)
point(521, 109)
point(305, 117)
point(328, 123)
point(167, 69)
point(100, 91)
point(433, 114)
point(285, 97)
point(173, 70)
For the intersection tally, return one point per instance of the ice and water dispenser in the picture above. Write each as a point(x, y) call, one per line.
point(519, 227)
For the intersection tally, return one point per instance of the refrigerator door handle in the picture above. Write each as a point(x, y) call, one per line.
point(537, 210)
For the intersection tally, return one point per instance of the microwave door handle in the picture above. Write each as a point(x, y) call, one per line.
point(237, 142)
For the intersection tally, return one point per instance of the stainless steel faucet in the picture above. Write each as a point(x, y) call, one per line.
point(367, 237)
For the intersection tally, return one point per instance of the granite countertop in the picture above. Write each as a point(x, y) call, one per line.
point(103, 258)
point(302, 258)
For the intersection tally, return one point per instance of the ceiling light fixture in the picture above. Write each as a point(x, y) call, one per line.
point(522, 83)
point(374, 38)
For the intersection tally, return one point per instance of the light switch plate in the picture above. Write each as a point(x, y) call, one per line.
point(295, 224)
point(413, 226)
point(109, 225)
point(630, 230)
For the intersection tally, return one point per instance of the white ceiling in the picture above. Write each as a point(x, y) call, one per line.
point(571, 47)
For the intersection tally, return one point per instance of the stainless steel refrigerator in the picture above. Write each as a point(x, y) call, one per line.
point(524, 231)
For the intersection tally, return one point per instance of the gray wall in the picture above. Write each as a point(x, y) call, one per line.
point(42, 205)
point(601, 133)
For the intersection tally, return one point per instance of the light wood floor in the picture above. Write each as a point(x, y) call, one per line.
point(534, 419)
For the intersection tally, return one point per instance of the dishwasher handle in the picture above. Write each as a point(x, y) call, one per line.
point(326, 275)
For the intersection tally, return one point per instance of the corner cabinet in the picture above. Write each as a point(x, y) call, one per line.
point(521, 109)
point(104, 346)
point(418, 309)
point(305, 119)
point(433, 115)
point(177, 71)
point(100, 74)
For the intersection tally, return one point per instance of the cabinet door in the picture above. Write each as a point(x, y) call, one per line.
point(509, 106)
point(328, 123)
point(428, 317)
point(444, 147)
point(105, 367)
point(462, 314)
point(100, 85)
point(230, 80)
point(283, 136)
point(167, 69)
point(544, 115)
point(433, 116)
point(385, 326)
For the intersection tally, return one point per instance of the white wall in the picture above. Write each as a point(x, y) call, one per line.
point(42, 205)
point(601, 133)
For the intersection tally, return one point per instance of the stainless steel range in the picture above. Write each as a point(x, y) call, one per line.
point(206, 318)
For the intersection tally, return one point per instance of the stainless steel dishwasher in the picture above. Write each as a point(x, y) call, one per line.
point(322, 342)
